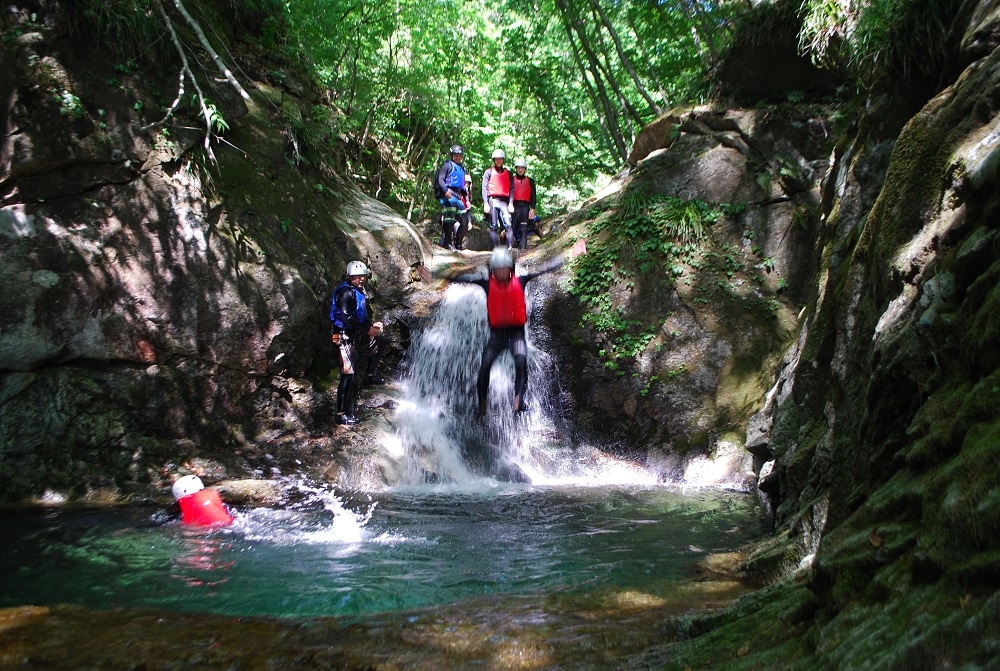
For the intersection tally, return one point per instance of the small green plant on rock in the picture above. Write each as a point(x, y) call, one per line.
point(677, 372)
point(661, 234)
point(69, 104)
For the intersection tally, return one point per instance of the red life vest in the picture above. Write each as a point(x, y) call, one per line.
point(505, 303)
point(522, 189)
point(204, 508)
point(499, 184)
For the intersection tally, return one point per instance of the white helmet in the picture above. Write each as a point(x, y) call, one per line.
point(357, 268)
point(468, 178)
point(187, 485)
point(520, 163)
point(501, 258)
point(498, 153)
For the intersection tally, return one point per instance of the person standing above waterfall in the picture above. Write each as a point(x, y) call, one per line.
point(449, 188)
point(498, 186)
point(464, 223)
point(354, 332)
point(524, 201)
point(507, 312)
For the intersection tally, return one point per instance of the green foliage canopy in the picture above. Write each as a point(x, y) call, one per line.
point(565, 84)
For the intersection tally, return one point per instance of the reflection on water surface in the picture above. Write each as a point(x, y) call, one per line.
point(515, 577)
point(359, 554)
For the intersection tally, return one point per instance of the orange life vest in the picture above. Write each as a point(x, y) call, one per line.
point(505, 303)
point(522, 189)
point(205, 508)
point(499, 184)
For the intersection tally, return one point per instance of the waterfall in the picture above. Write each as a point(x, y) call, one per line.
point(443, 438)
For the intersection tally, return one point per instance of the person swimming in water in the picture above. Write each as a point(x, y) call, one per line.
point(200, 506)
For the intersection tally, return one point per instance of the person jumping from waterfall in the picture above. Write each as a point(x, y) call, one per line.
point(354, 332)
point(506, 310)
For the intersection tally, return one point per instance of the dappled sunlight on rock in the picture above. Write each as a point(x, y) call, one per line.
point(11, 618)
point(632, 600)
point(516, 633)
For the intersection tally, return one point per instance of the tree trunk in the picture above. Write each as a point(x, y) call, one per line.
point(628, 109)
point(623, 57)
point(602, 116)
point(354, 76)
point(649, 64)
point(208, 48)
point(595, 70)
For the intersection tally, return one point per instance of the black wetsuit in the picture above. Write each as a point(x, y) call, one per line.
point(510, 338)
point(353, 321)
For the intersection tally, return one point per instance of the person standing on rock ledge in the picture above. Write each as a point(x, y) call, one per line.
point(498, 185)
point(450, 189)
point(355, 333)
point(524, 202)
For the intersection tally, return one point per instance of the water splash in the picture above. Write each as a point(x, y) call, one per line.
point(445, 442)
point(298, 523)
point(440, 391)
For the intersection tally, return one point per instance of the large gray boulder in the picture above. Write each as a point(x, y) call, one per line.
point(158, 307)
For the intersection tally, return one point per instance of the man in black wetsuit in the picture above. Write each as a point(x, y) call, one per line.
point(355, 332)
point(506, 310)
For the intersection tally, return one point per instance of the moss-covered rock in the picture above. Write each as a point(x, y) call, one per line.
point(887, 412)
point(159, 306)
point(691, 282)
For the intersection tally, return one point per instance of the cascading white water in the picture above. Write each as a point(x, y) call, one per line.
point(440, 387)
point(437, 424)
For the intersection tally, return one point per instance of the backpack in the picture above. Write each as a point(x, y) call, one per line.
point(438, 193)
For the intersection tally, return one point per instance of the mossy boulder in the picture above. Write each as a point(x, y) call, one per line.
point(679, 336)
point(158, 305)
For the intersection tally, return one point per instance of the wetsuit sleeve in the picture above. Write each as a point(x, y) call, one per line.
point(527, 277)
point(442, 178)
point(486, 185)
point(531, 203)
point(347, 306)
point(466, 279)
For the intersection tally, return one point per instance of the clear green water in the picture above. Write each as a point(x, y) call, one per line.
point(377, 553)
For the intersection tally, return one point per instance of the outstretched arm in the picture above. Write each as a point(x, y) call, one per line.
point(469, 279)
point(578, 248)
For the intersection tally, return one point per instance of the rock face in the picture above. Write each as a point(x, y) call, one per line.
point(877, 446)
point(894, 378)
point(765, 62)
point(157, 306)
point(658, 134)
point(716, 323)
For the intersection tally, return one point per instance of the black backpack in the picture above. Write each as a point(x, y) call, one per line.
point(438, 193)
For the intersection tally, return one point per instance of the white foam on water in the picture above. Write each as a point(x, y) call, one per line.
point(300, 523)
point(448, 449)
